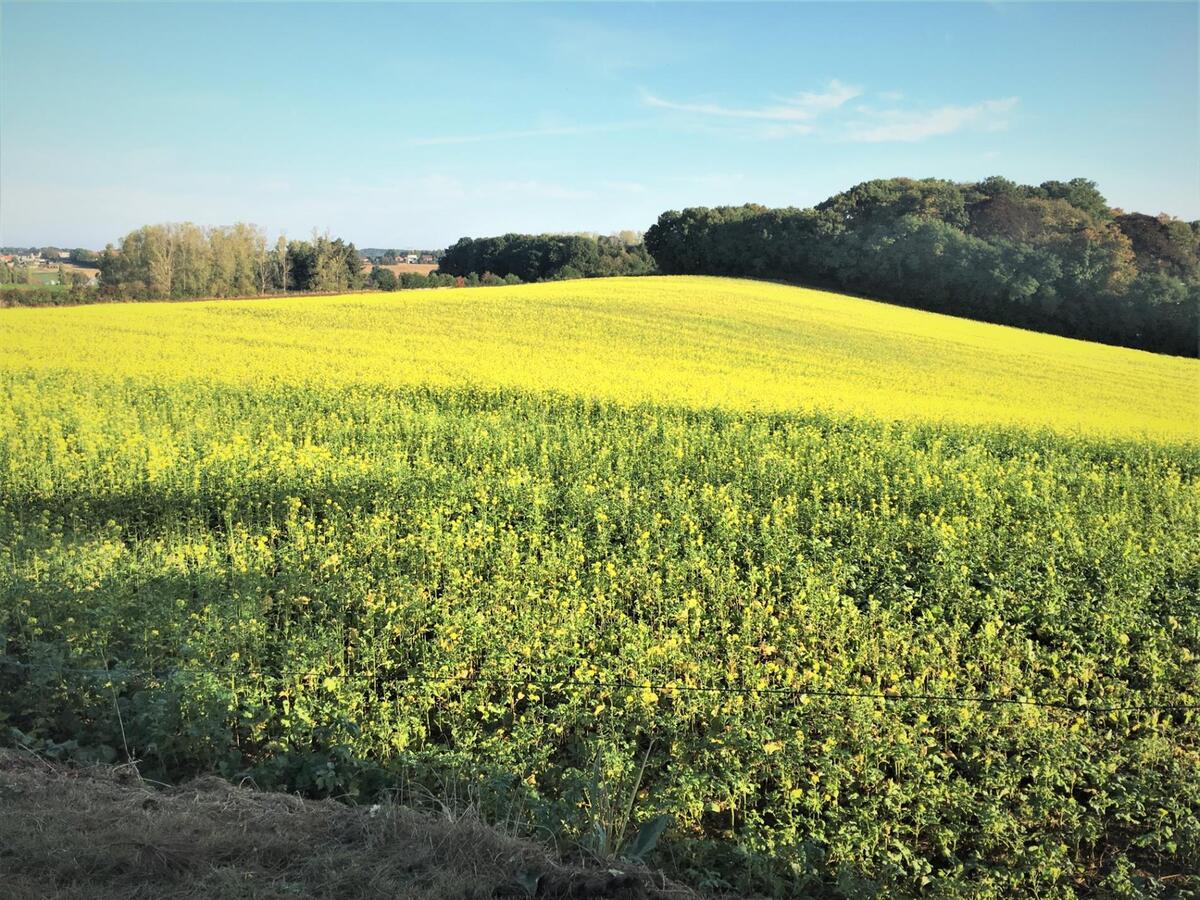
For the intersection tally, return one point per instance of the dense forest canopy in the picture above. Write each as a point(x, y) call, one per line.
point(546, 257)
point(1054, 257)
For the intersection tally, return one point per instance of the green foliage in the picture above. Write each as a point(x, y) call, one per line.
point(1079, 192)
point(647, 838)
point(384, 279)
point(547, 257)
point(609, 802)
point(45, 295)
point(83, 257)
point(182, 261)
point(1162, 244)
point(1051, 258)
point(324, 265)
point(12, 275)
point(322, 587)
point(410, 280)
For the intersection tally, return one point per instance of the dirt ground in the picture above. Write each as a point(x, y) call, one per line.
point(103, 833)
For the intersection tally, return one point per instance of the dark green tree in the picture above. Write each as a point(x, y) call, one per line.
point(383, 279)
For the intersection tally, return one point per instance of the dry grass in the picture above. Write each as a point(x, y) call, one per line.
point(401, 268)
point(102, 833)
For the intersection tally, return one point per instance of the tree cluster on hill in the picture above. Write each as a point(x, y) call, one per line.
point(80, 256)
point(548, 257)
point(13, 274)
point(179, 261)
point(46, 296)
point(1051, 258)
point(387, 280)
point(83, 257)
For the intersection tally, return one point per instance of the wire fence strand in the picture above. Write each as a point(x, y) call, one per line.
point(667, 687)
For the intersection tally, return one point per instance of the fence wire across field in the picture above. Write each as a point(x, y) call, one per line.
point(553, 683)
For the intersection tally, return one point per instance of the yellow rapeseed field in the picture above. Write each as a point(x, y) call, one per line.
point(692, 341)
point(625, 538)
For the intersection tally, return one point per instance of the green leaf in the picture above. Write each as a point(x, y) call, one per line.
point(647, 837)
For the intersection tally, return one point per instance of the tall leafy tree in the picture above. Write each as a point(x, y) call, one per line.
point(1052, 257)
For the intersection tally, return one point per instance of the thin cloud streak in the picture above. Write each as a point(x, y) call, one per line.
point(825, 114)
point(801, 107)
point(909, 126)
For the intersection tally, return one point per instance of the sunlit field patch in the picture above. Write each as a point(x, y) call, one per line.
point(700, 342)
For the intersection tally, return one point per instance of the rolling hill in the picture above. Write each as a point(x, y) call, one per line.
point(695, 341)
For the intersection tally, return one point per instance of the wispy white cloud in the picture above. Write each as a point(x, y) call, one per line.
point(822, 113)
point(825, 114)
point(910, 125)
point(798, 108)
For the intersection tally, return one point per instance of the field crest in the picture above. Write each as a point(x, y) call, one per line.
point(702, 342)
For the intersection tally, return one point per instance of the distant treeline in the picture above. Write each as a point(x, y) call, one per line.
point(386, 280)
point(179, 261)
point(44, 296)
point(549, 257)
point(1052, 258)
point(79, 256)
point(185, 260)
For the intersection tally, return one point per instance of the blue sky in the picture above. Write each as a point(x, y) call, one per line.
point(412, 125)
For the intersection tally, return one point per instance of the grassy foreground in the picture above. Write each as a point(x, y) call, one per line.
point(101, 833)
point(276, 541)
point(702, 342)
